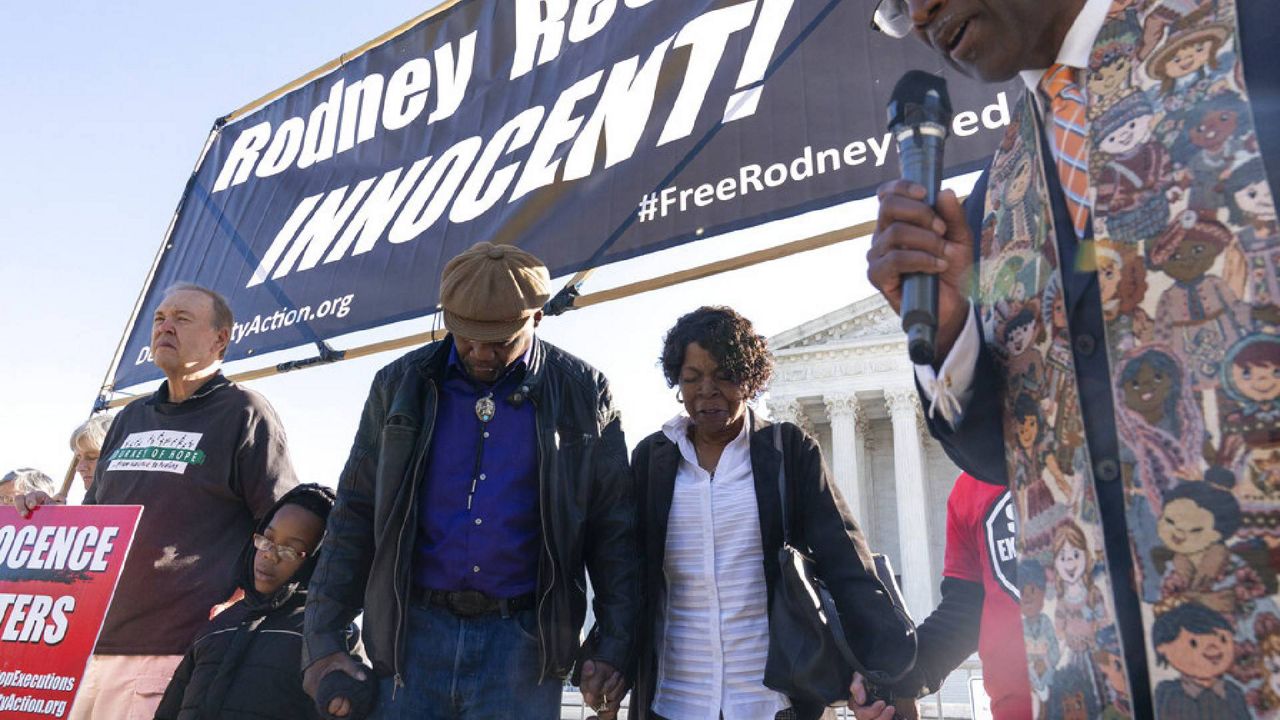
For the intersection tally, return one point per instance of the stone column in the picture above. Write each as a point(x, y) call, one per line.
point(783, 409)
point(913, 510)
point(790, 410)
point(847, 456)
point(865, 449)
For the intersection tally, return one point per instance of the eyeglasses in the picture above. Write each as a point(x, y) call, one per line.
point(282, 552)
point(893, 18)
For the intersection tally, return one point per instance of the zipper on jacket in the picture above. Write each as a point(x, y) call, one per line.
point(413, 493)
point(546, 544)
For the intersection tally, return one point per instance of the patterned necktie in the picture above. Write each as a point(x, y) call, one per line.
point(1070, 149)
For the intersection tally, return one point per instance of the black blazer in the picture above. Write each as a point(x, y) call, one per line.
point(822, 523)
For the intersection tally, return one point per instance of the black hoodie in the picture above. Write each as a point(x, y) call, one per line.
point(247, 661)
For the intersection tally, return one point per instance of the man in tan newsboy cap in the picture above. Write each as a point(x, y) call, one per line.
point(490, 292)
point(492, 297)
point(489, 468)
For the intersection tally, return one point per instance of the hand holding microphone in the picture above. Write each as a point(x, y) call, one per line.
point(921, 255)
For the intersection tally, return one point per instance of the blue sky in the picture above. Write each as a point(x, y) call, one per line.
point(105, 107)
point(103, 110)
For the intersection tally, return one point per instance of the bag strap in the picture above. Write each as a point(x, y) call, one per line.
point(782, 483)
point(828, 602)
point(837, 630)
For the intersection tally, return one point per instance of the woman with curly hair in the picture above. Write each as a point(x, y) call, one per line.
point(710, 528)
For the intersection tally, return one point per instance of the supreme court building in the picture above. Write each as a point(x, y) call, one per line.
point(846, 379)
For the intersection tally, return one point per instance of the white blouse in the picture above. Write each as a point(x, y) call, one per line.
point(713, 635)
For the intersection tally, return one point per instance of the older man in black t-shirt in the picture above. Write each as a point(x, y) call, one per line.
point(204, 457)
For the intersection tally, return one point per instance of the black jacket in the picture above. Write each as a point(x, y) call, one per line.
point(586, 504)
point(245, 663)
point(822, 523)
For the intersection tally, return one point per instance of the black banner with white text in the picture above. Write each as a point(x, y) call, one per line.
point(585, 131)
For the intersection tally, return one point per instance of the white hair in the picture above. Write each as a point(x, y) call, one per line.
point(27, 480)
point(90, 433)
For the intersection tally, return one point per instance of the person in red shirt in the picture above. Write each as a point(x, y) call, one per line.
point(980, 610)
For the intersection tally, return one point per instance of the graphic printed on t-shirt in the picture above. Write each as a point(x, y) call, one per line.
point(158, 451)
point(1001, 529)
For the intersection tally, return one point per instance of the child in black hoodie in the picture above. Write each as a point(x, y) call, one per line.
point(247, 661)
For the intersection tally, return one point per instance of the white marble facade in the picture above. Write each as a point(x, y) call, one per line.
point(846, 379)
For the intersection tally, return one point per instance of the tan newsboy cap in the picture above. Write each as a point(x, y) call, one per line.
point(489, 291)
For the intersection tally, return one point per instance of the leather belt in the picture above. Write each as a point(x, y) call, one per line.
point(472, 603)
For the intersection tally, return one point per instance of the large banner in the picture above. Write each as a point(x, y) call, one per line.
point(58, 571)
point(584, 131)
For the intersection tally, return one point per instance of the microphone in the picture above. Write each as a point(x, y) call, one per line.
point(919, 119)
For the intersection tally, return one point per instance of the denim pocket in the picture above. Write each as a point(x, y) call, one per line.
point(526, 621)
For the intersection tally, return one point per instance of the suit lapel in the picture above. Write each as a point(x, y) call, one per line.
point(663, 464)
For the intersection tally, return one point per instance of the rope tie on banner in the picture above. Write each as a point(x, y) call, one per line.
point(565, 300)
point(327, 355)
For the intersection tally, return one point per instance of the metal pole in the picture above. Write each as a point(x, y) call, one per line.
point(656, 283)
point(151, 274)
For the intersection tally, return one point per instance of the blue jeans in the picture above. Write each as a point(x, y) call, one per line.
point(477, 669)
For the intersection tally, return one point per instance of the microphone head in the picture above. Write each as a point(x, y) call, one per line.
point(920, 98)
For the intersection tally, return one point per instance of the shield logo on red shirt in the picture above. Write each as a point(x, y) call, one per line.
point(1001, 528)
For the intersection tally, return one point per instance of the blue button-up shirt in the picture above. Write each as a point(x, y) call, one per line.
point(478, 522)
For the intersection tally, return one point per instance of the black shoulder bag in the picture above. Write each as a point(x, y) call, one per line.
point(809, 659)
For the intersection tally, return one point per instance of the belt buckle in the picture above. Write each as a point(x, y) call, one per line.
point(469, 603)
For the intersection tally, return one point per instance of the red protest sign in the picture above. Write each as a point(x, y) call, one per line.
point(58, 571)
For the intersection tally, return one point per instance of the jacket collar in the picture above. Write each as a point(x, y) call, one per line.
point(292, 593)
point(677, 430)
point(435, 363)
point(664, 461)
point(411, 401)
point(295, 590)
